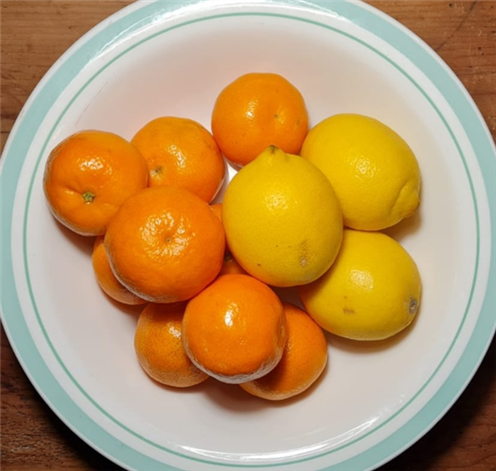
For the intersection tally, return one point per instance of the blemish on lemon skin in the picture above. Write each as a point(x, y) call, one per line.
point(303, 257)
point(413, 306)
point(348, 311)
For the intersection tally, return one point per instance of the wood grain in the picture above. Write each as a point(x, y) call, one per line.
point(34, 34)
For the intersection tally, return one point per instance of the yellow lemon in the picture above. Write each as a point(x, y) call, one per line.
point(282, 219)
point(373, 171)
point(371, 292)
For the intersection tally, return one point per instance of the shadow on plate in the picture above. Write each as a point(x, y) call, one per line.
point(232, 397)
point(371, 346)
point(82, 243)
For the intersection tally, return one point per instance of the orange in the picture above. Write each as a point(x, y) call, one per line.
point(303, 360)
point(235, 329)
point(255, 111)
point(165, 244)
point(87, 178)
point(159, 347)
point(106, 278)
point(231, 266)
point(181, 152)
point(217, 209)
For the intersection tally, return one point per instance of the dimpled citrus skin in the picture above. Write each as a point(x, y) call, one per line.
point(87, 178)
point(106, 278)
point(257, 110)
point(302, 363)
point(282, 219)
point(373, 171)
point(165, 244)
point(159, 348)
point(371, 292)
point(181, 152)
point(235, 329)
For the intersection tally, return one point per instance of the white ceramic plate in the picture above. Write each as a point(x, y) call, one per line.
point(173, 58)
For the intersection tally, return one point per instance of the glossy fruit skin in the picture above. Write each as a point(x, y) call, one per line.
point(371, 292)
point(255, 111)
point(303, 361)
point(159, 348)
point(157, 244)
point(106, 278)
point(282, 219)
point(230, 265)
point(235, 329)
point(373, 171)
point(87, 178)
point(181, 152)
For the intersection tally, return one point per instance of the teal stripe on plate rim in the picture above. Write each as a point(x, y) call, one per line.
point(132, 19)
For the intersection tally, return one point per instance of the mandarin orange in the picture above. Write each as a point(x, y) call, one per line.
point(159, 346)
point(165, 244)
point(87, 178)
point(235, 329)
point(181, 152)
point(255, 111)
point(106, 278)
point(302, 363)
point(231, 266)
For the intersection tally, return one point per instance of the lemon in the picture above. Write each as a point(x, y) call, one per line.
point(373, 171)
point(282, 219)
point(371, 292)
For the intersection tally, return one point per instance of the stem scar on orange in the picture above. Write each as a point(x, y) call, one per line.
point(165, 244)
point(87, 178)
point(255, 111)
point(235, 329)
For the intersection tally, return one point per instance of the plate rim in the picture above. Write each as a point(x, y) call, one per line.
point(11, 189)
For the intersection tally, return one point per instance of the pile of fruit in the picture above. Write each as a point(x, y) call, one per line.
point(305, 211)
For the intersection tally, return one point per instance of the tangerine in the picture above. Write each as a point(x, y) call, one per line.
point(235, 329)
point(159, 346)
point(255, 111)
point(157, 243)
point(87, 178)
point(302, 363)
point(106, 278)
point(181, 152)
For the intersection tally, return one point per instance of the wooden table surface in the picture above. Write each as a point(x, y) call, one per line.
point(35, 33)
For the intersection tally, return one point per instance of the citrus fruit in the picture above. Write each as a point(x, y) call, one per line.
point(231, 266)
point(235, 329)
point(257, 110)
point(374, 172)
point(181, 152)
point(87, 178)
point(371, 292)
point(165, 244)
point(106, 278)
point(302, 363)
point(159, 348)
point(282, 219)
point(217, 209)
